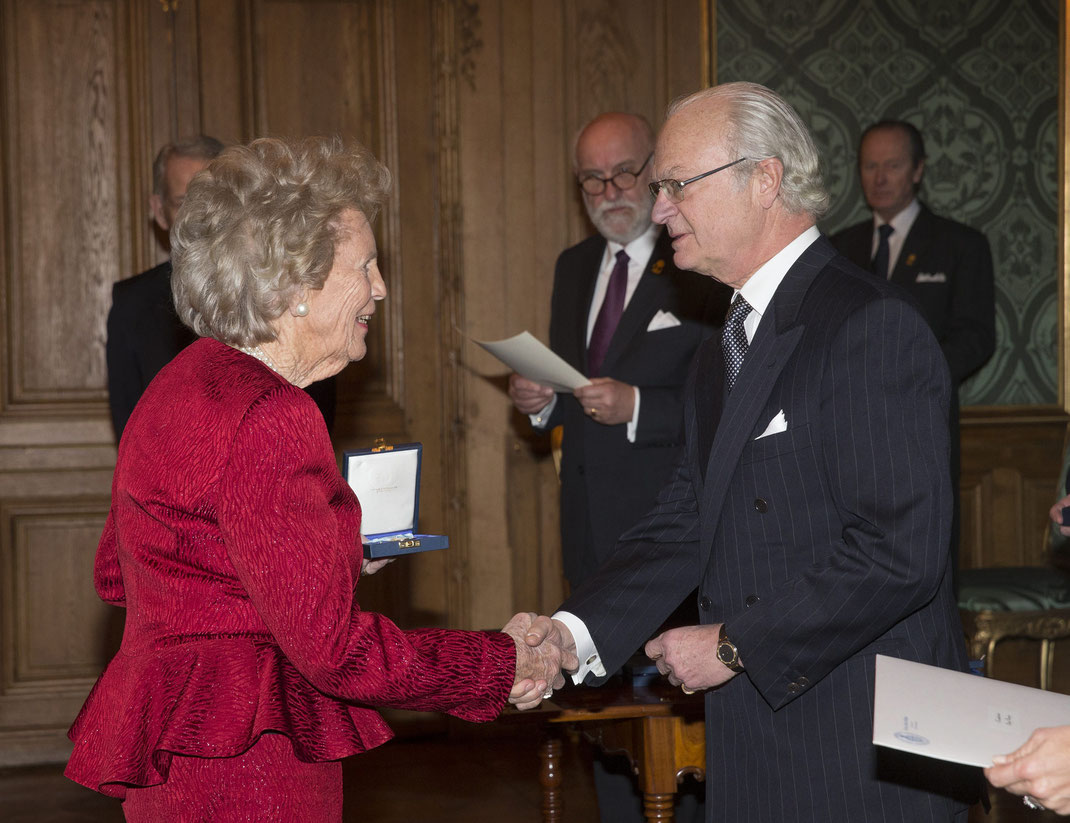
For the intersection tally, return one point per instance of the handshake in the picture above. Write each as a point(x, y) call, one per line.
point(545, 650)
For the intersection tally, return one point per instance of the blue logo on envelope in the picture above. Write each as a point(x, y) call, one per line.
point(910, 737)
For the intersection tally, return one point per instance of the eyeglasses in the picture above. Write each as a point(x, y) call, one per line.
point(623, 180)
point(673, 188)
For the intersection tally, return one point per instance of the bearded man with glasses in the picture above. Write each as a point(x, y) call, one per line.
point(624, 315)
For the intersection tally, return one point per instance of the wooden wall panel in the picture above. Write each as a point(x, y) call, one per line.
point(315, 68)
point(53, 574)
point(1011, 460)
point(66, 236)
point(56, 634)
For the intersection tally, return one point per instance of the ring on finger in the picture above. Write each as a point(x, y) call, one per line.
point(1032, 803)
point(686, 690)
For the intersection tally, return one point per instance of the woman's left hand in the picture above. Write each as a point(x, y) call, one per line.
point(369, 567)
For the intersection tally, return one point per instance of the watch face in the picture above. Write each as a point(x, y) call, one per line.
point(726, 654)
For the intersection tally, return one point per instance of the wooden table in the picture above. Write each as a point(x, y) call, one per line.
point(661, 729)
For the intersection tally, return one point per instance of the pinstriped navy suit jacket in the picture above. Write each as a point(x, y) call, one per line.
point(819, 547)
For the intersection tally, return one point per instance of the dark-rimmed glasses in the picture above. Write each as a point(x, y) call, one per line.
point(593, 184)
point(673, 188)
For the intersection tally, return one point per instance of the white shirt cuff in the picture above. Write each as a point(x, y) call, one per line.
point(590, 662)
point(633, 425)
point(542, 416)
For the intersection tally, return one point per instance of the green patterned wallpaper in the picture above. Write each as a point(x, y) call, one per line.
point(980, 79)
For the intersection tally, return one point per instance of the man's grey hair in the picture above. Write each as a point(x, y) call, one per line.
point(762, 125)
point(199, 146)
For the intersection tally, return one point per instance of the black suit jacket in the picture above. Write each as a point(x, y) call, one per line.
point(607, 482)
point(145, 334)
point(818, 546)
point(947, 268)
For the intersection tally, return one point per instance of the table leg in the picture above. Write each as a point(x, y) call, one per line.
point(553, 801)
point(658, 808)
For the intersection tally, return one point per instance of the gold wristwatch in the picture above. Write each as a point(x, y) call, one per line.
point(727, 652)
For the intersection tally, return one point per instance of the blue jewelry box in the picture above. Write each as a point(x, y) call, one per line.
point(386, 480)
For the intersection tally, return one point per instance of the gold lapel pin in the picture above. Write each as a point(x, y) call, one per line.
point(658, 267)
point(911, 258)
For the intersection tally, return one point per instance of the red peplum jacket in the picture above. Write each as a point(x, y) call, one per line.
point(234, 543)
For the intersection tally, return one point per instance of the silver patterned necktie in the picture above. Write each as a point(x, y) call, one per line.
point(734, 339)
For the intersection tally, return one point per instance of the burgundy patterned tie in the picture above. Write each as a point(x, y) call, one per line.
point(608, 316)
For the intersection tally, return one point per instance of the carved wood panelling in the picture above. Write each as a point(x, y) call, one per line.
point(63, 140)
point(1011, 459)
point(57, 619)
point(56, 633)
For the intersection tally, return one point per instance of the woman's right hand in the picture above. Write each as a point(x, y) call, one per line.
point(1039, 769)
point(543, 648)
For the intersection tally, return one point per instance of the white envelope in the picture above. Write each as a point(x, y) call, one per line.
point(525, 355)
point(778, 424)
point(663, 320)
point(955, 716)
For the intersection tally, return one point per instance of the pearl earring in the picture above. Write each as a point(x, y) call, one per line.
point(301, 309)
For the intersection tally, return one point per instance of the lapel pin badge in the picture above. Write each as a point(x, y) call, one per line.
point(911, 258)
point(658, 267)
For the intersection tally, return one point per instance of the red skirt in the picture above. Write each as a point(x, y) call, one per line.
point(267, 782)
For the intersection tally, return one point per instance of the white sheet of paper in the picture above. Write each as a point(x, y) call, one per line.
point(956, 716)
point(385, 485)
point(525, 355)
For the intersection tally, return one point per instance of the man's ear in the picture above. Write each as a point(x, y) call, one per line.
point(158, 215)
point(768, 177)
point(919, 172)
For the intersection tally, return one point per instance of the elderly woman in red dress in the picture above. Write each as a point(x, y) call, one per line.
point(247, 668)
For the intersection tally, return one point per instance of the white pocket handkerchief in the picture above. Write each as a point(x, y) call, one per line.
point(926, 277)
point(663, 320)
point(778, 424)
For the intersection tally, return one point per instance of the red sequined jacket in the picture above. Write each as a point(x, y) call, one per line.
point(233, 542)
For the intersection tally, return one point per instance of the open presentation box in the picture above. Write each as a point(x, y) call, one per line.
point(386, 480)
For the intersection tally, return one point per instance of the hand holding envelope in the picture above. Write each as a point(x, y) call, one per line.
point(1039, 770)
point(528, 396)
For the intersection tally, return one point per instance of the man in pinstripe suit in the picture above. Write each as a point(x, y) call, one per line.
point(812, 503)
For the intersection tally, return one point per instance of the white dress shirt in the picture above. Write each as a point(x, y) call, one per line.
point(638, 251)
point(758, 291)
point(901, 223)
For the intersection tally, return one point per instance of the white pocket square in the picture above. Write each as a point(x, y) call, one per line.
point(926, 277)
point(663, 320)
point(778, 424)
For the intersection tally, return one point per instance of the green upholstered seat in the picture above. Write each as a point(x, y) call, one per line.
point(1014, 589)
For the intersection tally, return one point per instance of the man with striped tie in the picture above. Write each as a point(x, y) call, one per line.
point(812, 502)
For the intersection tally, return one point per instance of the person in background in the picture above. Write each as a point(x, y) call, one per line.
point(144, 331)
point(247, 668)
point(944, 265)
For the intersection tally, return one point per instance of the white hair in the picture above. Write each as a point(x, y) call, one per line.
point(761, 125)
